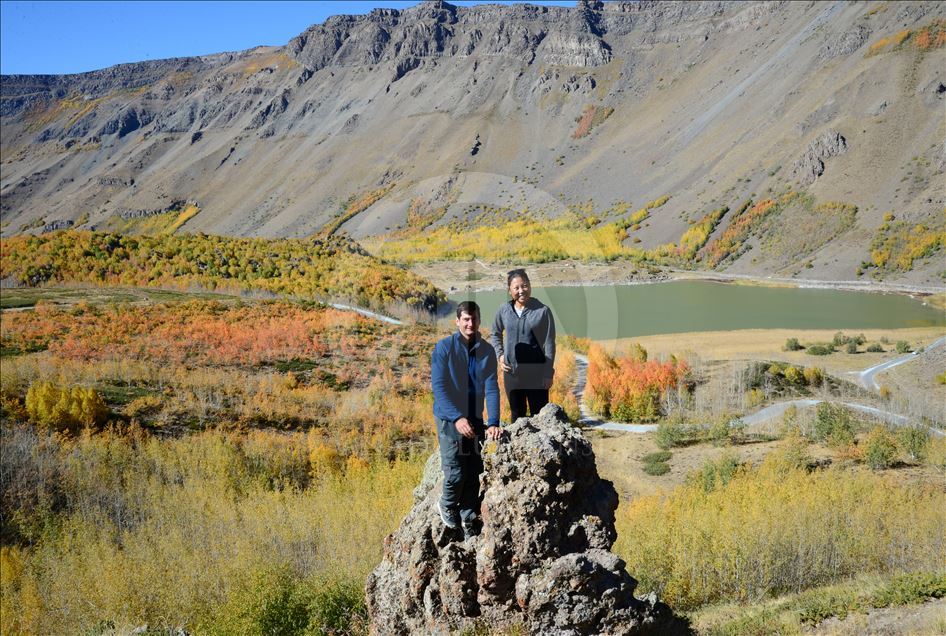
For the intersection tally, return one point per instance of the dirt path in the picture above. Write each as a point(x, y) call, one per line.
point(367, 313)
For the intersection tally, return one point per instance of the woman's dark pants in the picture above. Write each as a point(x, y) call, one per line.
point(536, 398)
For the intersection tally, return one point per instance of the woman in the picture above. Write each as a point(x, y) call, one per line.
point(524, 339)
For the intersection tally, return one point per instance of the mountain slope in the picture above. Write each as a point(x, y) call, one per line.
point(461, 110)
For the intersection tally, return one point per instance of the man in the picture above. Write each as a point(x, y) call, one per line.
point(463, 375)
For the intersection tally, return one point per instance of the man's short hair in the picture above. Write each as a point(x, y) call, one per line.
point(468, 307)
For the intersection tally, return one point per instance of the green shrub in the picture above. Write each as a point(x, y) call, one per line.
point(903, 346)
point(815, 606)
point(875, 347)
point(337, 607)
point(792, 344)
point(820, 349)
point(718, 432)
point(268, 603)
point(834, 425)
point(941, 378)
point(840, 339)
point(715, 474)
point(794, 376)
point(659, 456)
point(879, 448)
point(764, 622)
point(275, 603)
point(656, 469)
point(670, 433)
point(909, 589)
point(851, 347)
point(914, 440)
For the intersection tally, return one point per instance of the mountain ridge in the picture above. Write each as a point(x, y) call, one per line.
point(473, 108)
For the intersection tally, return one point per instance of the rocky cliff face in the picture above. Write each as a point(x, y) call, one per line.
point(706, 100)
point(542, 561)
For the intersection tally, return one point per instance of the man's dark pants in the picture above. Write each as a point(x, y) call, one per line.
point(462, 464)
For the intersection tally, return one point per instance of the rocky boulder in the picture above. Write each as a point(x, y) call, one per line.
point(542, 561)
point(810, 165)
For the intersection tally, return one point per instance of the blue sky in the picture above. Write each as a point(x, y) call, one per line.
point(72, 37)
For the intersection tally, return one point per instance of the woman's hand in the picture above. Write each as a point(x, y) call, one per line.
point(502, 364)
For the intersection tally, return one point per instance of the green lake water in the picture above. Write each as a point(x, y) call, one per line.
point(622, 311)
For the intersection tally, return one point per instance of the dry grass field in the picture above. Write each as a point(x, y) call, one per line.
point(767, 344)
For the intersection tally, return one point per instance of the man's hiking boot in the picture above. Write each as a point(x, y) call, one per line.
point(450, 518)
point(471, 528)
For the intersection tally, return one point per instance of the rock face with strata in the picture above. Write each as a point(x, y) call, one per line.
point(541, 562)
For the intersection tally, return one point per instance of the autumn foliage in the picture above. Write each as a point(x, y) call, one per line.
point(630, 387)
point(211, 363)
point(355, 206)
point(61, 408)
point(897, 245)
point(931, 36)
point(323, 268)
point(730, 244)
point(590, 117)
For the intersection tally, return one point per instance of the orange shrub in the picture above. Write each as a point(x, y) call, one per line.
point(630, 388)
point(562, 391)
point(729, 244)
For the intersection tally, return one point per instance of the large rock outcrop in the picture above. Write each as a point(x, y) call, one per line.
point(810, 165)
point(542, 561)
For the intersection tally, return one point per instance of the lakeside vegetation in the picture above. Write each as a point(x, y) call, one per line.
point(318, 268)
point(897, 245)
point(712, 240)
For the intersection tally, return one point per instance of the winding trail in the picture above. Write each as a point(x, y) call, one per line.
point(866, 377)
point(367, 313)
point(762, 415)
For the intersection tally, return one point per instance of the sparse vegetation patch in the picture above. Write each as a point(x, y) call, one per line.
point(898, 245)
point(590, 117)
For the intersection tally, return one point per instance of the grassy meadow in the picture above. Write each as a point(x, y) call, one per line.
point(231, 465)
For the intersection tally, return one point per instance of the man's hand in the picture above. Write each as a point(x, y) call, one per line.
point(464, 428)
point(502, 364)
point(494, 433)
point(547, 383)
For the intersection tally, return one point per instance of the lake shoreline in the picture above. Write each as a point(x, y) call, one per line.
point(454, 277)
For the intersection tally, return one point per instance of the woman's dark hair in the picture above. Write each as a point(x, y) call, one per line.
point(468, 307)
point(516, 273)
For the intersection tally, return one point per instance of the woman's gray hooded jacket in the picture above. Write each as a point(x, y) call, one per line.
point(527, 342)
